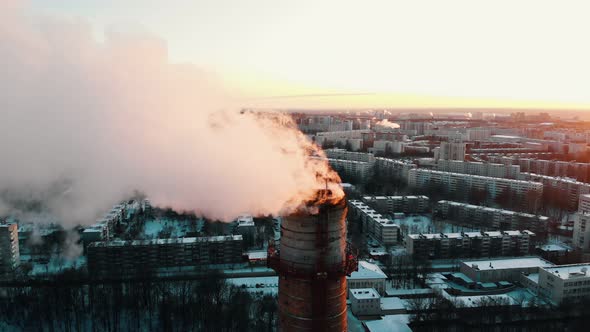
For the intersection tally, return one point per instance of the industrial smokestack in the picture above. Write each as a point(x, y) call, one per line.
point(312, 262)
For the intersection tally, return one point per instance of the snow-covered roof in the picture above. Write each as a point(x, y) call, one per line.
point(257, 255)
point(367, 270)
point(390, 323)
point(569, 271)
point(555, 247)
point(508, 263)
point(392, 303)
point(364, 293)
point(407, 292)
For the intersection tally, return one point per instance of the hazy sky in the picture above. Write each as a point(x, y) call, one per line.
point(412, 53)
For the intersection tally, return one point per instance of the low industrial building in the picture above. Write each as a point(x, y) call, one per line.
point(365, 302)
point(502, 269)
point(369, 275)
point(393, 204)
point(565, 282)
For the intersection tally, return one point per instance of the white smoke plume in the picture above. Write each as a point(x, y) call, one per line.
point(386, 124)
point(84, 123)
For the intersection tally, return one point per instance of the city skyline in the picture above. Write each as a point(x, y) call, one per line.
point(503, 54)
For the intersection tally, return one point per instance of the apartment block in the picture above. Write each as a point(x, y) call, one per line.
point(393, 169)
point(139, 256)
point(358, 170)
point(487, 218)
point(560, 187)
point(478, 134)
point(452, 151)
point(557, 168)
point(526, 192)
point(349, 155)
point(9, 250)
point(581, 234)
point(479, 168)
point(373, 223)
point(469, 244)
point(392, 204)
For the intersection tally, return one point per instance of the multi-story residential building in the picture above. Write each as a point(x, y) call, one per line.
point(560, 187)
point(9, 252)
point(368, 275)
point(479, 168)
point(349, 155)
point(365, 301)
point(581, 236)
point(526, 193)
point(352, 137)
point(478, 134)
point(487, 218)
point(141, 256)
point(385, 146)
point(502, 269)
point(393, 169)
point(358, 170)
point(392, 204)
point(378, 227)
point(469, 244)
point(558, 168)
point(452, 151)
point(565, 282)
point(584, 203)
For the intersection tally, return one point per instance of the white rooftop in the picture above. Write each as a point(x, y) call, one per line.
point(508, 263)
point(392, 303)
point(390, 323)
point(367, 270)
point(569, 271)
point(364, 293)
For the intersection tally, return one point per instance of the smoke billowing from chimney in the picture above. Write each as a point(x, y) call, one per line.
point(386, 124)
point(85, 123)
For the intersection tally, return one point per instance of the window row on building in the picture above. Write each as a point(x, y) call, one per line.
point(481, 217)
point(469, 244)
point(393, 204)
point(527, 193)
point(138, 256)
point(373, 223)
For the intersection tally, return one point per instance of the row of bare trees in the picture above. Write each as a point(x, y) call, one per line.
point(209, 304)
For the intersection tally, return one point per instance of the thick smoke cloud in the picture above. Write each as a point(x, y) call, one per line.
point(83, 124)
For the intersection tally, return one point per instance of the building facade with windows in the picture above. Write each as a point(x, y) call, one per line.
point(469, 244)
point(565, 282)
point(139, 256)
point(9, 250)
